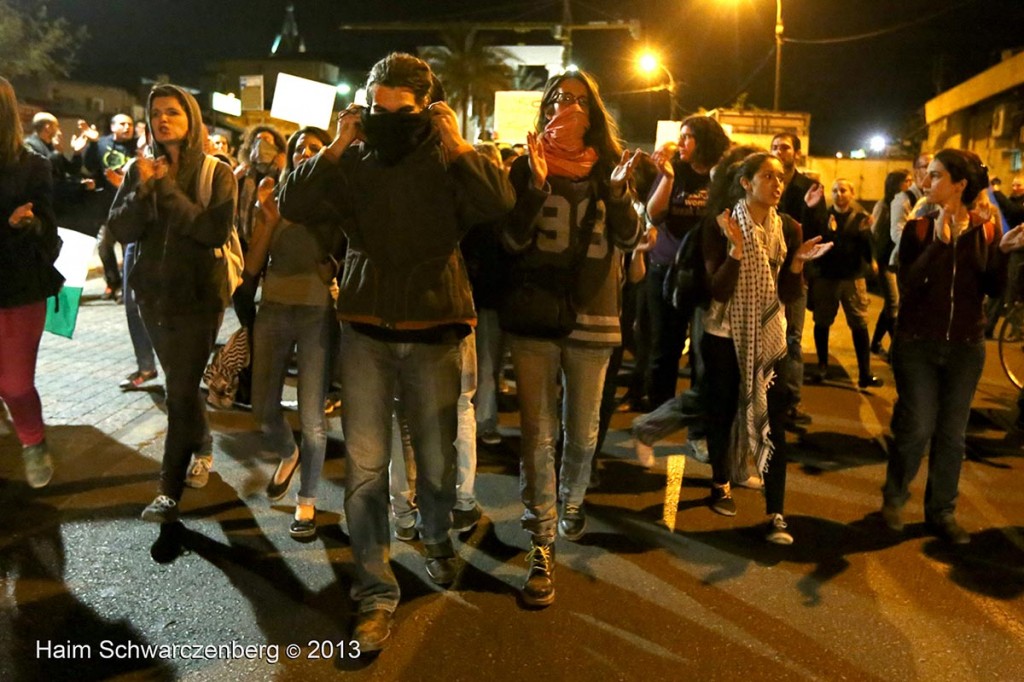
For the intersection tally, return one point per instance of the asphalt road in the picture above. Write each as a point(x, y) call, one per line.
point(86, 587)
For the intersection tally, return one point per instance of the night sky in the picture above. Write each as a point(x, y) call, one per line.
point(713, 47)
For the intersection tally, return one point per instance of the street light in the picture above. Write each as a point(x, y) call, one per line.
point(649, 63)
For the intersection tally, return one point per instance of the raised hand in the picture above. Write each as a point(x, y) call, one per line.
point(447, 126)
point(1012, 240)
point(733, 232)
point(21, 216)
point(266, 201)
point(814, 195)
point(79, 142)
point(160, 167)
point(538, 164)
point(350, 129)
point(662, 157)
point(144, 167)
point(87, 131)
point(812, 249)
point(623, 172)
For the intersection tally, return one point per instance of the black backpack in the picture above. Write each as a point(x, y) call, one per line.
point(686, 282)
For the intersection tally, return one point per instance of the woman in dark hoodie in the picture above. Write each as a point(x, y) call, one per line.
point(178, 277)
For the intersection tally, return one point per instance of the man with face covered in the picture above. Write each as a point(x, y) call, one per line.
point(405, 196)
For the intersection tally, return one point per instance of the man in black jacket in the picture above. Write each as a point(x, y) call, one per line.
point(786, 148)
point(405, 198)
point(104, 159)
point(69, 187)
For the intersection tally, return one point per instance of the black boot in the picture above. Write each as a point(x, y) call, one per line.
point(821, 346)
point(860, 347)
point(882, 327)
point(539, 589)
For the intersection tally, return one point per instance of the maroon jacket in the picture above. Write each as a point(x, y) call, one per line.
point(724, 272)
point(942, 286)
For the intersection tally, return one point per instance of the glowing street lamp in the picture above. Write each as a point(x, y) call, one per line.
point(877, 144)
point(648, 62)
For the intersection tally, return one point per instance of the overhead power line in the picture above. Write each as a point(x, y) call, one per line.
point(880, 32)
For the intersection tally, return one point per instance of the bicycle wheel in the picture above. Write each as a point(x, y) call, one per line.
point(1011, 345)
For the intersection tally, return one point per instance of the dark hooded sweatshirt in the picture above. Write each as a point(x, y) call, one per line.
point(176, 271)
point(403, 273)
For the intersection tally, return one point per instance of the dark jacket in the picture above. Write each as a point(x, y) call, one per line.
point(546, 227)
point(73, 204)
point(792, 203)
point(27, 274)
point(403, 269)
point(487, 264)
point(942, 285)
point(851, 253)
point(176, 271)
point(106, 154)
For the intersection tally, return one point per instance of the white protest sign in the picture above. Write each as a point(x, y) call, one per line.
point(515, 114)
point(303, 101)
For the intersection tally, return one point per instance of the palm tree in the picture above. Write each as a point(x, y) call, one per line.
point(471, 73)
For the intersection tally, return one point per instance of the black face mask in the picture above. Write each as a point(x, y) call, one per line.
point(393, 136)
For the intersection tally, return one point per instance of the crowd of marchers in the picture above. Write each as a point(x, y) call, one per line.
point(395, 264)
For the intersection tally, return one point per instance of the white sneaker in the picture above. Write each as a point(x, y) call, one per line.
point(161, 510)
point(778, 532)
point(752, 482)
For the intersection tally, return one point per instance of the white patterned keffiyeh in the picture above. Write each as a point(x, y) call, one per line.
point(758, 330)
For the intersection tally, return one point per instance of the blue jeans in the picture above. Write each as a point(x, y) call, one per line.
point(403, 461)
point(141, 344)
point(935, 384)
point(426, 378)
point(538, 363)
point(402, 472)
point(488, 362)
point(280, 327)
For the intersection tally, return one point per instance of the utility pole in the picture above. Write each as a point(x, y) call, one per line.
point(778, 53)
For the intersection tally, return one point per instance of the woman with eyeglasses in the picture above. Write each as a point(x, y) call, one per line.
point(572, 219)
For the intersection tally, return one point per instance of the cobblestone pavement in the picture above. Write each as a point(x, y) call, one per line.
point(705, 599)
